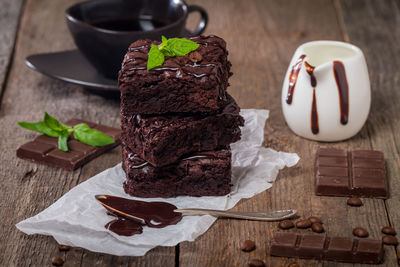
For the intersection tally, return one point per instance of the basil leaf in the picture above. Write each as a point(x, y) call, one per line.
point(84, 134)
point(182, 46)
point(156, 58)
point(54, 124)
point(62, 142)
point(40, 127)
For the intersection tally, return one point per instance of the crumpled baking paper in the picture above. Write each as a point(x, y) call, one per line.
point(78, 220)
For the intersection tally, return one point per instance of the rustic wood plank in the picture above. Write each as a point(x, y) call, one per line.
point(262, 35)
point(379, 41)
point(28, 188)
point(9, 16)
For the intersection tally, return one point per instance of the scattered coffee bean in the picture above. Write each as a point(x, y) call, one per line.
point(247, 245)
point(63, 247)
point(293, 264)
point(388, 230)
point(317, 227)
point(314, 219)
point(360, 232)
point(303, 224)
point(390, 240)
point(256, 263)
point(286, 224)
point(57, 261)
point(354, 201)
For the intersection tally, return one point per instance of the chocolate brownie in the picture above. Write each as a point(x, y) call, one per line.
point(201, 174)
point(196, 82)
point(161, 140)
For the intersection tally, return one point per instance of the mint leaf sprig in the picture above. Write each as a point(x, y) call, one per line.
point(169, 48)
point(50, 126)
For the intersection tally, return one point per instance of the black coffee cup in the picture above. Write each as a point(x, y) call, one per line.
point(104, 29)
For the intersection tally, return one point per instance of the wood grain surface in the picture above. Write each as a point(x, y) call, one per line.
point(262, 35)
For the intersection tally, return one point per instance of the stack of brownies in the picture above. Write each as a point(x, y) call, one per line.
point(178, 121)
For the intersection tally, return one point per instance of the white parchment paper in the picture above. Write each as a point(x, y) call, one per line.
point(76, 219)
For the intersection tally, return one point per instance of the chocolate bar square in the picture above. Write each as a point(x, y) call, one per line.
point(339, 247)
point(356, 173)
point(284, 244)
point(367, 250)
point(44, 149)
point(311, 246)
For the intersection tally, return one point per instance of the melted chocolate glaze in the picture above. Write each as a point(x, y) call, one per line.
point(314, 110)
point(343, 88)
point(314, 115)
point(122, 226)
point(155, 214)
point(294, 73)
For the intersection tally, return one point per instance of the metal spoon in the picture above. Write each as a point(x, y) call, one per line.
point(275, 215)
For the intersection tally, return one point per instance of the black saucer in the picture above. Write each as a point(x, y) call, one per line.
point(72, 66)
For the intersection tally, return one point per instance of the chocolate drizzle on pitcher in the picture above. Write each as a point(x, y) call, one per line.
point(155, 214)
point(343, 88)
point(314, 110)
point(294, 74)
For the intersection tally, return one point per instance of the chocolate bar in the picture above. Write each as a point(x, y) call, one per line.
point(354, 173)
point(321, 247)
point(44, 149)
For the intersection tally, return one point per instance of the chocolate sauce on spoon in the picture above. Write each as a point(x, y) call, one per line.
point(153, 214)
point(314, 111)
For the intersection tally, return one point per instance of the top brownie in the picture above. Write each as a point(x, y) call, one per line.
point(196, 82)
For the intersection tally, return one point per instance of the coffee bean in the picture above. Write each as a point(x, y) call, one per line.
point(398, 255)
point(293, 264)
point(360, 232)
point(303, 224)
point(314, 219)
point(390, 240)
point(388, 230)
point(57, 261)
point(63, 247)
point(317, 227)
point(256, 263)
point(354, 201)
point(247, 245)
point(286, 224)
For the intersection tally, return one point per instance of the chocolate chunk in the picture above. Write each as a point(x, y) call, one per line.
point(356, 173)
point(247, 245)
point(321, 247)
point(317, 228)
point(63, 247)
point(388, 230)
point(57, 261)
point(314, 219)
point(256, 263)
point(195, 56)
point(286, 224)
point(354, 201)
point(390, 240)
point(360, 232)
point(303, 224)
point(44, 149)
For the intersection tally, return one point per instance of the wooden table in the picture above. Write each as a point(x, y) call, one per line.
point(261, 37)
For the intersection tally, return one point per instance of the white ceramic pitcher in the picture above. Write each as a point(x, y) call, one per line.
point(326, 94)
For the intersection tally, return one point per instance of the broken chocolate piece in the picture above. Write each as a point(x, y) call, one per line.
point(356, 173)
point(44, 149)
point(321, 247)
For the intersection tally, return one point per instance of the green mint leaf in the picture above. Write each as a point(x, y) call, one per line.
point(167, 51)
point(62, 142)
point(164, 39)
point(181, 46)
point(84, 134)
point(156, 58)
point(40, 127)
point(54, 124)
